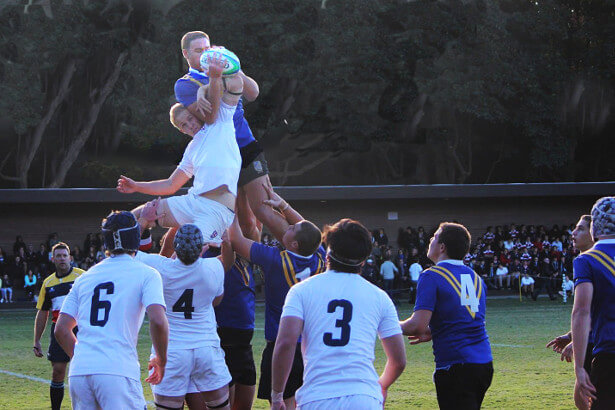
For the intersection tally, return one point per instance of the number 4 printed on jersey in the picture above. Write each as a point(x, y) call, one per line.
point(468, 292)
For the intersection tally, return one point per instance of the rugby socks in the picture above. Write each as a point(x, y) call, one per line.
point(56, 393)
point(145, 245)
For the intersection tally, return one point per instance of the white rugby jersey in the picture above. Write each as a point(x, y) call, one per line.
point(189, 291)
point(213, 155)
point(342, 314)
point(108, 302)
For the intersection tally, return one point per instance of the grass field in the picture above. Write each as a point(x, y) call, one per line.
point(527, 376)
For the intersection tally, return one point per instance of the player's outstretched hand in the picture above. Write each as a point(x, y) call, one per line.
point(275, 200)
point(567, 353)
point(216, 65)
point(38, 351)
point(126, 185)
point(422, 338)
point(158, 371)
point(584, 390)
point(150, 211)
point(559, 343)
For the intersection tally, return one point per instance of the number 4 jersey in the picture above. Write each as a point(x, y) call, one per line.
point(108, 302)
point(342, 314)
point(455, 295)
point(189, 291)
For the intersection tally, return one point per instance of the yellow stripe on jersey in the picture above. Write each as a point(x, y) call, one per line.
point(194, 80)
point(450, 278)
point(603, 258)
point(293, 274)
point(285, 268)
point(52, 280)
point(321, 265)
point(243, 270)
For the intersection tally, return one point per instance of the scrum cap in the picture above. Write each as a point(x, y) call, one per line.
point(188, 243)
point(121, 231)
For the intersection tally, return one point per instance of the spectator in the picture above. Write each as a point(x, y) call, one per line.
point(543, 280)
point(415, 271)
point(527, 285)
point(30, 285)
point(7, 289)
point(382, 237)
point(77, 257)
point(19, 243)
point(369, 271)
point(400, 260)
point(17, 269)
point(515, 271)
point(3, 262)
point(388, 271)
point(52, 239)
point(501, 273)
point(484, 272)
point(567, 286)
point(557, 243)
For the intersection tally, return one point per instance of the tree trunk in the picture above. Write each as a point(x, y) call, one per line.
point(77, 145)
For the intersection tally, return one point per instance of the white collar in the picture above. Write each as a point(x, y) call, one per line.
point(299, 256)
point(605, 241)
point(452, 262)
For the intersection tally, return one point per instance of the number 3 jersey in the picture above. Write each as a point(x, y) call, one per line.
point(342, 314)
point(108, 302)
point(455, 295)
point(189, 291)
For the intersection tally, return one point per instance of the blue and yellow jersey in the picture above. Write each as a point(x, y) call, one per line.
point(237, 307)
point(597, 266)
point(54, 290)
point(282, 269)
point(455, 295)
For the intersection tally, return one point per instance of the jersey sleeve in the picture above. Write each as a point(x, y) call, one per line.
point(426, 290)
point(218, 268)
point(293, 305)
point(185, 92)
point(43, 303)
point(186, 165)
point(582, 271)
point(70, 306)
point(152, 289)
point(263, 255)
point(389, 321)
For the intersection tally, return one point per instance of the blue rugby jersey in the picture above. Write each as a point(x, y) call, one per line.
point(237, 307)
point(282, 270)
point(455, 295)
point(597, 266)
point(185, 93)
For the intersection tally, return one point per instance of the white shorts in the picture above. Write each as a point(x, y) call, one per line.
point(354, 402)
point(527, 281)
point(105, 391)
point(203, 367)
point(211, 217)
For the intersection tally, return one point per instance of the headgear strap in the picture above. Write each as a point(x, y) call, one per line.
point(344, 261)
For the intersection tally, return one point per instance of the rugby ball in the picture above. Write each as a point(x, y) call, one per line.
point(232, 61)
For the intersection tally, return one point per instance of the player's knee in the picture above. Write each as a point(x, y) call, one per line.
point(169, 403)
point(58, 373)
point(219, 403)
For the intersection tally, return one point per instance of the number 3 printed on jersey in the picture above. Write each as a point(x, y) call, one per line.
point(343, 323)
point(468, 292)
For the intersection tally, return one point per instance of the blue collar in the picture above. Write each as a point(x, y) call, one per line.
point(197, 74)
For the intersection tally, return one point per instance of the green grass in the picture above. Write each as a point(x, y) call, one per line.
point(527, 376)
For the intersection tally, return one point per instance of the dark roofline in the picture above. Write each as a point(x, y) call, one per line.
point(320, 193)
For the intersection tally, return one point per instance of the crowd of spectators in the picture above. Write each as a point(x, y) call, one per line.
point(525, 258)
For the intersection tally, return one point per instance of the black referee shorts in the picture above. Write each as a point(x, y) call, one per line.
point(603, 378)
point(237, 347)
point(56, 354)
point(463, 385)
point(295, 379)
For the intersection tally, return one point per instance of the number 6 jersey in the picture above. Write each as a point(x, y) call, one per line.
point(108, 302)
point(455, 295)
point(342, 314)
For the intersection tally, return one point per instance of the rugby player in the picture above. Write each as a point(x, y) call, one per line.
point(212, 157)
point(302, 258)
point(339, 314)
point(594, 308)
point(108, 303)
point(53, 291)
point(192, 287)
point(254, 171)
point(583, 241)
point(450, 308)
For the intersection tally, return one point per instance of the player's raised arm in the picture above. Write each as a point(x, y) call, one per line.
point(396, 361)
point(167, 186)
point(213, 91)
point(250, 87)
point(240, 243)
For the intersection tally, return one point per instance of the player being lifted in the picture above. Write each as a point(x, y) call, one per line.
point(212, 157)
point(339, 314)
point(192, 287)
point(450, 308)
point(108, 303)
point(53, 292)
point(594, 308)
point(254, 171)
point(303, 257)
